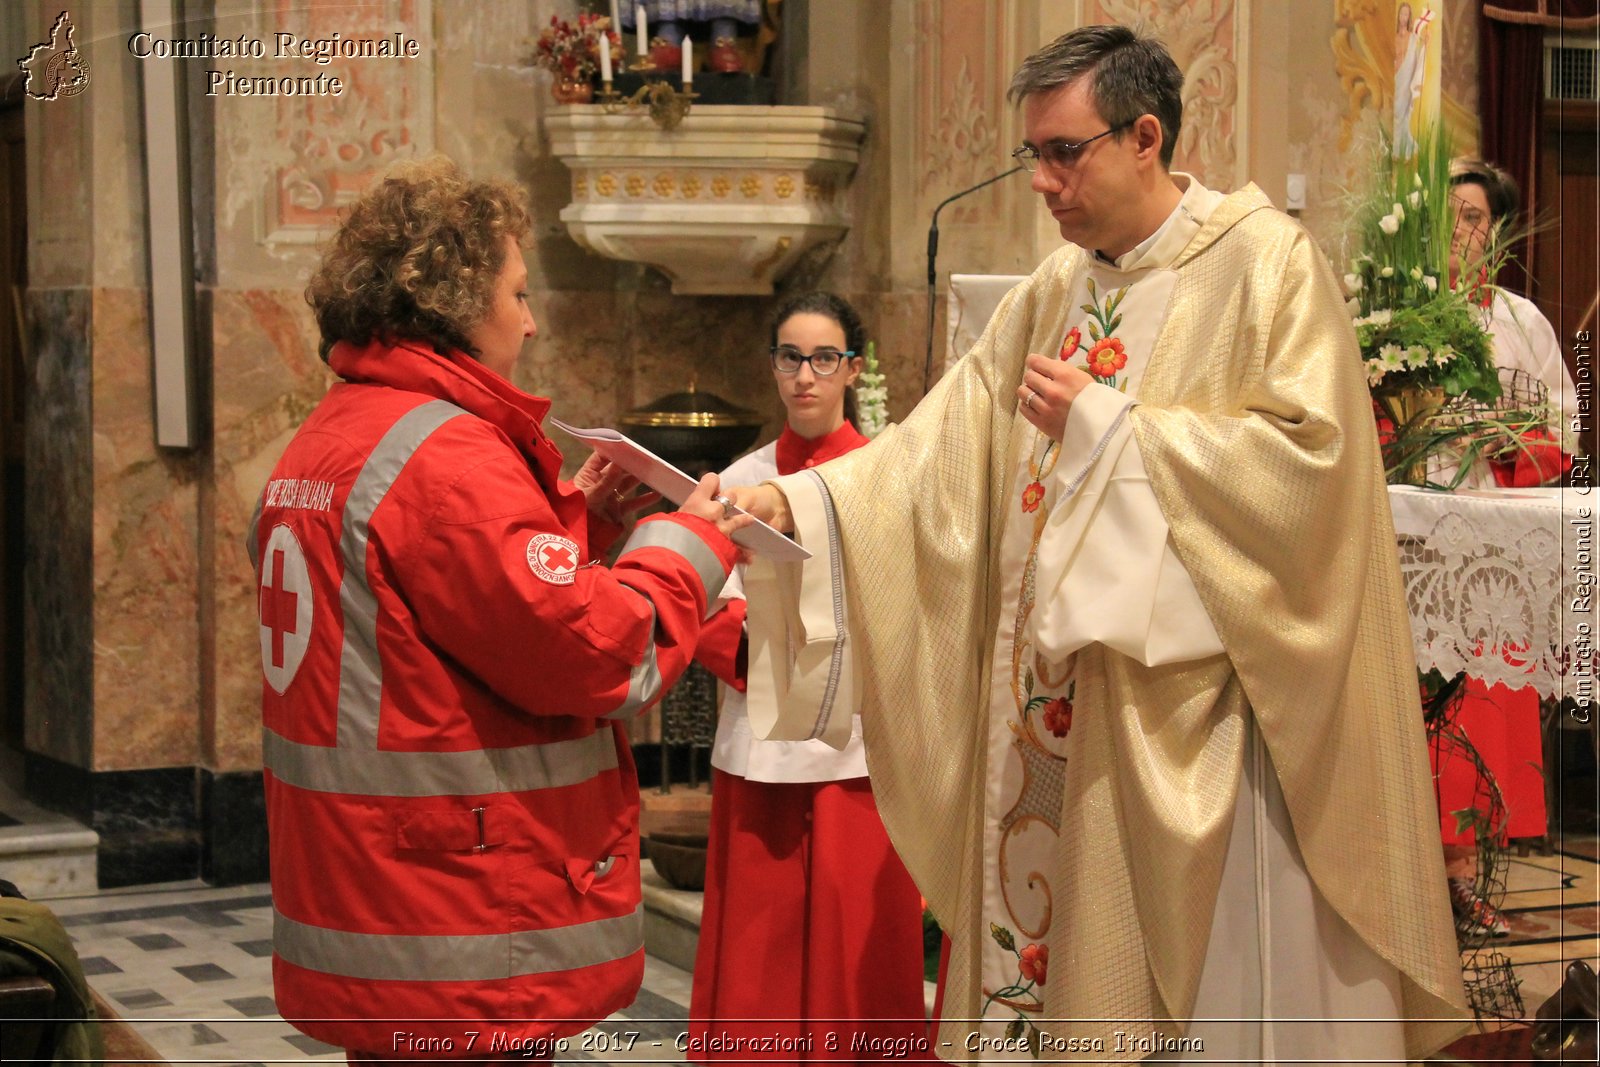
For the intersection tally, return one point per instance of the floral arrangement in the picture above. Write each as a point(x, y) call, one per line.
point(573, 51)
point(1428, 355)
point(872, 395)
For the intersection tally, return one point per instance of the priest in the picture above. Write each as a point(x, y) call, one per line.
point(1119, 604)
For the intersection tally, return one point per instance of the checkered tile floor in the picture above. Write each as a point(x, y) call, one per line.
point(190, 969)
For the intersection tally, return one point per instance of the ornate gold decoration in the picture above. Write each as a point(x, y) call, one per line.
point(779, 249)
point(606, 184)
point(663, 184)
point(1363, 57)
point(750, 186)
point(634, 184)
point(783, 185)
point(580, 186)
point(721, 186)
point(665, 105)
point(690, 186)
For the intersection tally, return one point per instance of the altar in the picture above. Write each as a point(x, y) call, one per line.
point(1499, 584)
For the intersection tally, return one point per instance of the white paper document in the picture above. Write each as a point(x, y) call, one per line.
point(675, 485)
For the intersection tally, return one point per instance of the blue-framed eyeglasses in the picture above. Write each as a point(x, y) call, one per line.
point(786, 359)
point(1060, 155)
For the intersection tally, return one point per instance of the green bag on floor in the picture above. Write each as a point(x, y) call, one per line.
point(33, 942)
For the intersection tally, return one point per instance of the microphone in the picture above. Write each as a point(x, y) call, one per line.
point(933, 254)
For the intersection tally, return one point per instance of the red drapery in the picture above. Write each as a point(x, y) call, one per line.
point(1510, 88)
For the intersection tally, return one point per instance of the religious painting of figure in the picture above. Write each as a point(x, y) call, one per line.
point(1416, 72)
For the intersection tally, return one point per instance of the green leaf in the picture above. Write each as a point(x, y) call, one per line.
point(1014, 1028)
point(1092, 289)
point(1035, 1041)
point(1469, 818)
point(1111, 327)
point(1002, 937)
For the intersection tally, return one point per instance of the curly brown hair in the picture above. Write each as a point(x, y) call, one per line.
point(416, 258)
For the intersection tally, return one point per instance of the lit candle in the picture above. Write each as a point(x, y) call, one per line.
point(644, 32)
point(688, 61)
point(605, 57)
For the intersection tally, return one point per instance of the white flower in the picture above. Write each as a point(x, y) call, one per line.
point(1387, 272)
point(1389, 225)
point(1443, 355)
point(1392, 357)
point(1352, 282)
point(1415, 199)
point(1375, 372)
point(1378, 317)
point(1399, 212)
point(1416, 274)
point(1432, 283)
point(1353, 307)
point(1417, 357)
point(1417, 180)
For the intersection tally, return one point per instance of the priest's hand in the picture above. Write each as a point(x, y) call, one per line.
point(766, 503)
point(1048, 389)
point(706, 503)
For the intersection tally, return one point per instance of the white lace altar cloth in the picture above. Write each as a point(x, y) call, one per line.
point(1500, 584)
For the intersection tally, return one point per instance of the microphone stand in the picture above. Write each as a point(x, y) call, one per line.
point(933, 253)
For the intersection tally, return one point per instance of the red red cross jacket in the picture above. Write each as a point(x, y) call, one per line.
point(451, 800)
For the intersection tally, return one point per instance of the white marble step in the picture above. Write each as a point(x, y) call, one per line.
point(46, 855)
point(671, 919)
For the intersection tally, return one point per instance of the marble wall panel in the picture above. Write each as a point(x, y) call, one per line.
point(146, 573)
point(60, 235)
point(58, 584)
point(267, 377)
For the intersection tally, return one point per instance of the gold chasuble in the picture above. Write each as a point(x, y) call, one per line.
point(1254, 426)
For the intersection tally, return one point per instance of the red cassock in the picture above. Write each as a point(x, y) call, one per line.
point(1503, 725)
point(451, 800)
point(811, 937)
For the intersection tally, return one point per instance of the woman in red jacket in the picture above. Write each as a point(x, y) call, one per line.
point(451, 800)
point(812, 927)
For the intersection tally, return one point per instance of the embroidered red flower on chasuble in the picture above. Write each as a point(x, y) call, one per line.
point(1035, 962)
point(1032, 494)
point(1058, 716)
point(1069, 347)
point(1107, 357)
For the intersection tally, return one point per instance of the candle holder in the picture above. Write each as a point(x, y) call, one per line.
point(665, 105)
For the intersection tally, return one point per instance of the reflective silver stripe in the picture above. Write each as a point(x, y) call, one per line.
point(360, 672)
point(686, 543)
point(457, 957)
point(644, 683)
point(372, 772)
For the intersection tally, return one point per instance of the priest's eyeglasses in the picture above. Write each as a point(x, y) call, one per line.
point(1059, 155)
point(786, 359)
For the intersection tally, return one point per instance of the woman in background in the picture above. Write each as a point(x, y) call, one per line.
point(812, 926)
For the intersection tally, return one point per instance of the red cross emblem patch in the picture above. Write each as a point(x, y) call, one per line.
point(285, 607)
point(553, 558)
